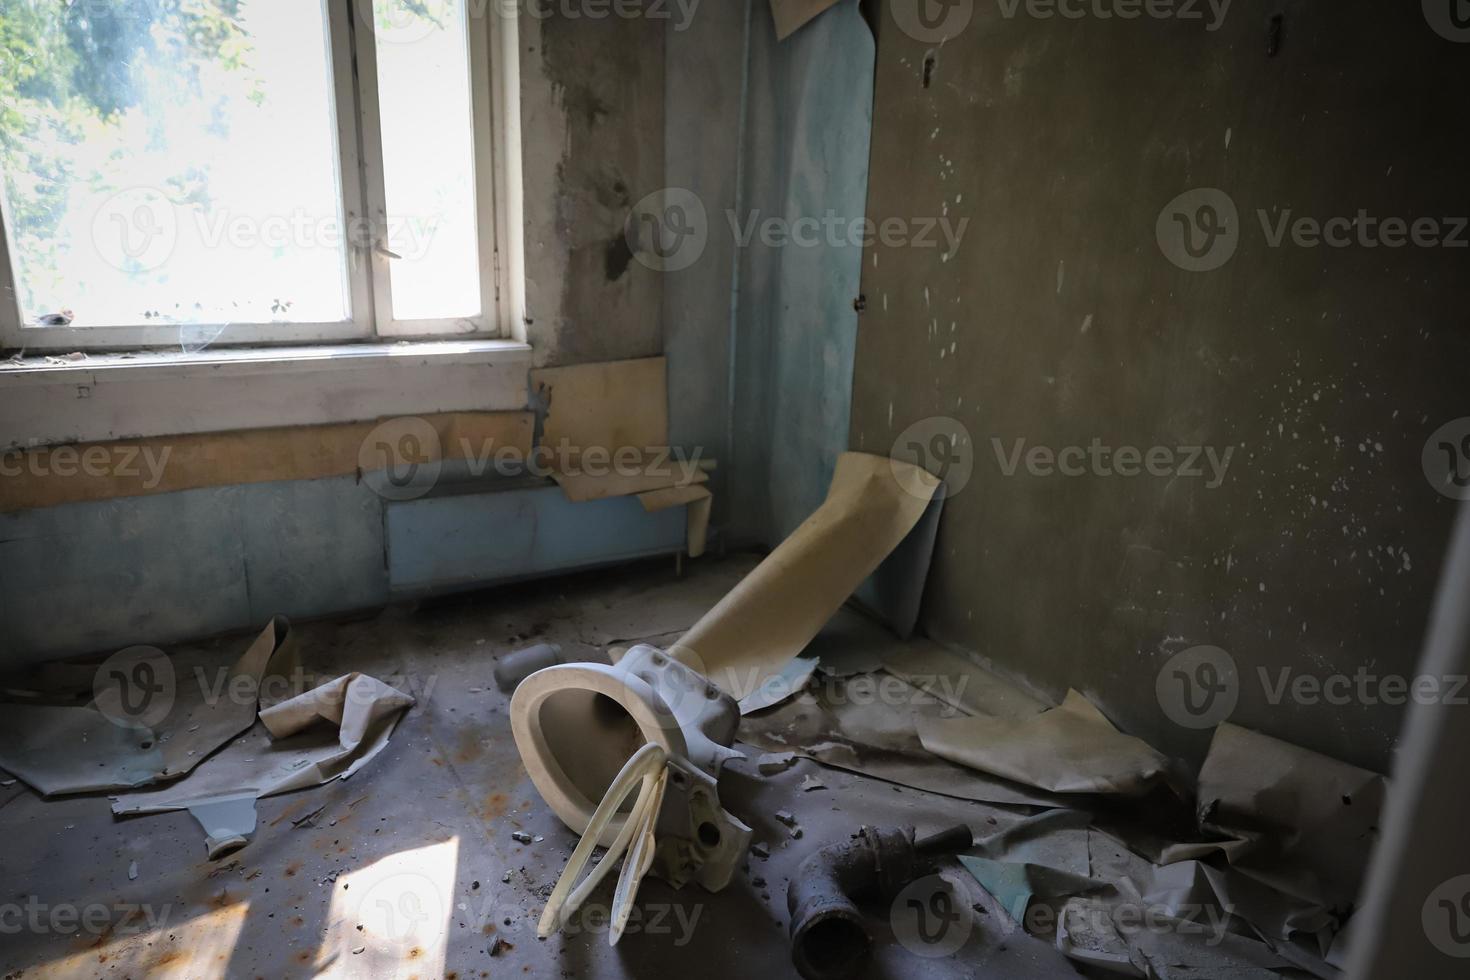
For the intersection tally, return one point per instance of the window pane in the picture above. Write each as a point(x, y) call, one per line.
point(428, 157)
point(172, 162)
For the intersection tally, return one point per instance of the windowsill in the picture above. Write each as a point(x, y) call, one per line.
point(47, 401)
point(245, 361)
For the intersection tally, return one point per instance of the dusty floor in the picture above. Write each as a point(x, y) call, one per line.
point(410, 869)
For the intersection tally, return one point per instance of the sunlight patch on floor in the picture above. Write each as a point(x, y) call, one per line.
point(391, 919)
point(146, 941)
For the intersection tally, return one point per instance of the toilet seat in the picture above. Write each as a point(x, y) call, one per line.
point(577, 725)
point(547, 770)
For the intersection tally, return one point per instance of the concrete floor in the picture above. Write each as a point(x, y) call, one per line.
point(410, 869)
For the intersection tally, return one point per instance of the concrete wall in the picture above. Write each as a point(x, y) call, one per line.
point(592, 118)
point(1059, 320)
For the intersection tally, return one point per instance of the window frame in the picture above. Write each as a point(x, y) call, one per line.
point(351, 45)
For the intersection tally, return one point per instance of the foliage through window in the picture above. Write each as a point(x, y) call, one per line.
point(214, 171)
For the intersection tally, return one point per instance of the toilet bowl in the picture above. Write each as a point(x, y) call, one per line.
point(577, 725)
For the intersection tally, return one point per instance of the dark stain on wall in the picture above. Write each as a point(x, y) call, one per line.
point(619, 254)
point(608, 77)
point(1055, 148)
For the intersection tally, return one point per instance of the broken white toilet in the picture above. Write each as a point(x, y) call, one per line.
point(581, 730)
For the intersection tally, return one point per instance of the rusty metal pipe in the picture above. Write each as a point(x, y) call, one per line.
point(829, 938)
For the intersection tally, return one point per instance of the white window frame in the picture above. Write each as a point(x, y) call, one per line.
point(492, 54)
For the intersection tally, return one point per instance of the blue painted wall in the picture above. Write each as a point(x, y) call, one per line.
point(96, 577)
point(809, 123)
point(92, 577)
point(456, 542)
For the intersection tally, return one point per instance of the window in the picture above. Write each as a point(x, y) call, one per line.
point(214, 172)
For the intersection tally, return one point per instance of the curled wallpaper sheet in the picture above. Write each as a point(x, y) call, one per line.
point(327, 733)
point(149, 717)
point(852, 724)
point(1112, 908)
point(769, 618)
point(1301, 822)
point(1071, 749)
point(700, 502)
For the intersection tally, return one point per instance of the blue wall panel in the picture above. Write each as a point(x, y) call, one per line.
point(809, 124)
point(443, 543)
point(92, 577)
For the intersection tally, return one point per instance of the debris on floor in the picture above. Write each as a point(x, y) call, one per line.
point(1263, 882)
point(310, 819)
point(773, 762)
point(1071, 749)
point(141, 717)
point(327, 733)
point(1055, 875)
point(849, 644)
point(1290, 817)
point(852, 725)
point(515, 667)
point(1258, 880)
point(830, 936)
point(790, 680)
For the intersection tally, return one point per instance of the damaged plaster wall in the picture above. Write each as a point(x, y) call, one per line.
point(1058, 320)
point(592, 121)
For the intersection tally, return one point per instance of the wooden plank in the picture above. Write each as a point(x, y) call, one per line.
point(697, 499)
point(618, 405)
point(656, 500)
point(56, 475)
